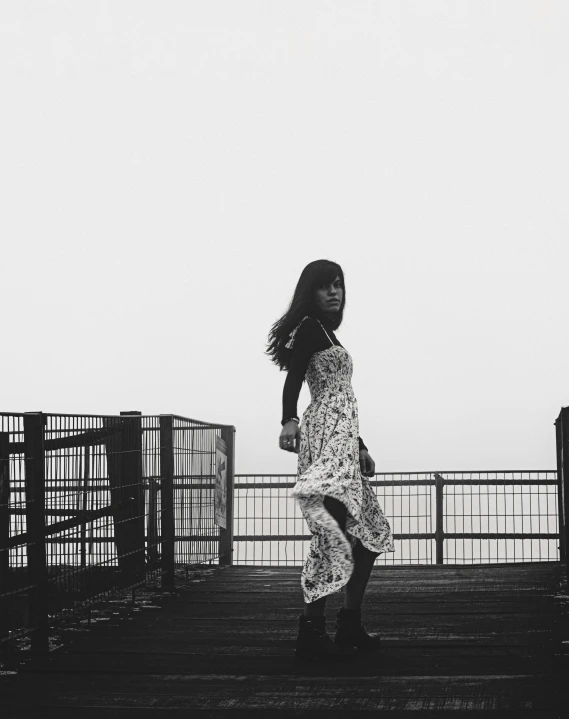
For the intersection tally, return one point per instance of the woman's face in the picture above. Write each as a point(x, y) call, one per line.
point(328, 298)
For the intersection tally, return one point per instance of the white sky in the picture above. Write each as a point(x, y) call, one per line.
point(168, 168)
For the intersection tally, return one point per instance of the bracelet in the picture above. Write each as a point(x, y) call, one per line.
point(288, 419)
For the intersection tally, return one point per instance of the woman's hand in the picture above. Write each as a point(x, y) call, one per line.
point(289, 439)
point(367, 465)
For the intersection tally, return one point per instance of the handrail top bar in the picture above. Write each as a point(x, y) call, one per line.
point(430, 472)
point(198, 421)
point(204, 426)
point(119, 416)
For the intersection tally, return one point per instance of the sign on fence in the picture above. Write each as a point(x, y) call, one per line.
point(220, 482)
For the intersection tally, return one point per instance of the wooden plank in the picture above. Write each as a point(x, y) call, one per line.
point(269, 701)
point(187, 684)
point(400, 628)
point(538, 642)
point(239, 712)
point(398, 661)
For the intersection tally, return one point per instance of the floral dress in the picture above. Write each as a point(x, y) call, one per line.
point(328, 465)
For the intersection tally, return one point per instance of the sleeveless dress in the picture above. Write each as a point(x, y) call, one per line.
point(328, 465)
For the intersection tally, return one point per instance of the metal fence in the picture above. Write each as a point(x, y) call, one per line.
point(91, 505)
point(436, 518)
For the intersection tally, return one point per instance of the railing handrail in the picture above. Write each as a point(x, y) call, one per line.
point(117, 416)
point(290, 479)
point(438, 471)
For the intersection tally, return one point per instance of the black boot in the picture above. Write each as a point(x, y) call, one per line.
point(350, 631)
point(313, 642)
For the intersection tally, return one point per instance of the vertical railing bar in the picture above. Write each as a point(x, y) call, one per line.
point(35, 522)
point(561, 487)
point(5, 603)
point(226, 535)
point(565, 476)
point(439, 533)
point(167, 498)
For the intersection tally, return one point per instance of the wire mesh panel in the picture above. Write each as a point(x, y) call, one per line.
point(461, 517)
point(152, 479)
point(268, 526)
point(501, 517)
point(95, 508)
point(83, 513)
point(198, 535)
point(407, 502)
point(270, 529)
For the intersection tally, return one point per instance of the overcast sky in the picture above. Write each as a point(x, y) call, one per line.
point(169, 167)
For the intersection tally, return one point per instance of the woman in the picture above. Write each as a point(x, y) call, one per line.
point(349, 529)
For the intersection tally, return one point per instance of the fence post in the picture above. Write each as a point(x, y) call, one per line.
point(562, 442)
point(133, 487)
point(226, 535)
point(124, 468)
point(85, 482)
point(439, 533)
point(167, 501)
point(5, 608)
point(35, 523)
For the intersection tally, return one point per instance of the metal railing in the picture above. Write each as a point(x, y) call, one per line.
point(436, 518)
point(91, 505)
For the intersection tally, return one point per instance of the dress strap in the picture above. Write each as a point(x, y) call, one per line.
point(327, 335)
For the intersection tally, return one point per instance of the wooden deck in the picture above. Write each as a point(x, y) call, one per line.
point(469, 640)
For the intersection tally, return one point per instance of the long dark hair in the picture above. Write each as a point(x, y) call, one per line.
point(313, 276)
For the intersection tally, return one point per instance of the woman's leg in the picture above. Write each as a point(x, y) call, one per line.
point(363, 559)
point(339, 512)
point(356, 586)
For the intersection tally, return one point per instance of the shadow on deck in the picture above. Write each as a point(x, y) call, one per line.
point(465, 639)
